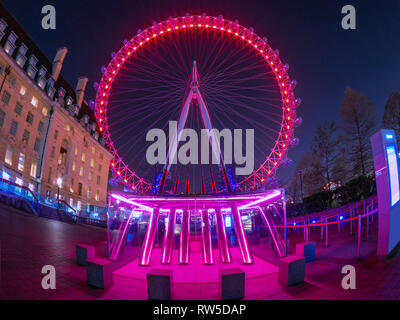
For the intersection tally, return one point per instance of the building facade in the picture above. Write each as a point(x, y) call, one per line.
point(49, 138)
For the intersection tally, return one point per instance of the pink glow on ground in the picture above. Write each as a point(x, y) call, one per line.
point(196, 271)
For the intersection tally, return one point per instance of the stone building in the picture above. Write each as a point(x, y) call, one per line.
point(49, 138)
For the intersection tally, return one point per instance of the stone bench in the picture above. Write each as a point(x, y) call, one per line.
point(84, 253)
point(292, 270)
point(232, 283)
point(98, 273)
point(306, 250)
point(159, 284)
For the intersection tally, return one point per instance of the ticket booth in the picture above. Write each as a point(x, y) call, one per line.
point(386, 164)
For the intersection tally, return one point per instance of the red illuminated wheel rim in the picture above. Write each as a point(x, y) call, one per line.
point(133, 47)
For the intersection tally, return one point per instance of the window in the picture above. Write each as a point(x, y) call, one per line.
point(53, 150)
point(80, 188)
point(76, 151)
point(49, 177)
point(98, 179)
point(18, 108)
point(31, 187)
point(99, 168)
point(29, 118)
point(55, 135)
point(91, 163)
point(9, 155)
point(21, 161)
point(97, 195)
point(45, 111)
point(90, 175)
point(93, 150)
point(25, 137)
point(89, 191)
point(79, 205)
point(6, 176)
point(6, 98)
point(9, 46)
point(41, 126)
point(42, 77)
point(83, 157)
point(3, 26)
point(13, 81)
point(22, 91)
point(2, 116)
point(73, 165)
point(33, 169)
point(19, 181)
point(81, 171)
point(31, 69)
point(14, 128)
point(34, 101)
point(71, 189)
point(37, 144)
point(101, 156)
point(21, 58)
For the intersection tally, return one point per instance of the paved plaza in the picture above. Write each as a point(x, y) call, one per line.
point(28, 243)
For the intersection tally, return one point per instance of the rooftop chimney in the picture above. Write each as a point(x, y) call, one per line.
point(58, 62)
point(80, 90)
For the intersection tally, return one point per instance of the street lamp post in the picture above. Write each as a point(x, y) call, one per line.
point(59, 184)
point(301, 185)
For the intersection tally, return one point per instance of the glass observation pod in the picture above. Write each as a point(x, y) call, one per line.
point(202, 229)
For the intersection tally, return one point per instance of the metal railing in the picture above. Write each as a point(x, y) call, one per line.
point(356, 211)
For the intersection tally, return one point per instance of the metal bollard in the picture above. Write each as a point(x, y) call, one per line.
point(322, 232)
point(351, 221)
point(326, 232)
point(359, 237)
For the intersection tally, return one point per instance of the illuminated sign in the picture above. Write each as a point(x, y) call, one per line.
point(228, 221)
point(393, 174)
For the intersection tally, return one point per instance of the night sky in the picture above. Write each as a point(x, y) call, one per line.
point(323, 57)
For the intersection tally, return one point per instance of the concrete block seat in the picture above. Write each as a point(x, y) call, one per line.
point(159, 284)
point(292, 270)
point(84, 253)
point(98, 273)
point(306, 250)
point(232, 283)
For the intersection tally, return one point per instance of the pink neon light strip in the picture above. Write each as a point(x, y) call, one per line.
point(275, 194)
point(149, 239)
point(241, 236)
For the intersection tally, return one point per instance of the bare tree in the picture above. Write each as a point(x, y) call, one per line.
point(325, 151)
point(358, 118)
point(391, 117)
